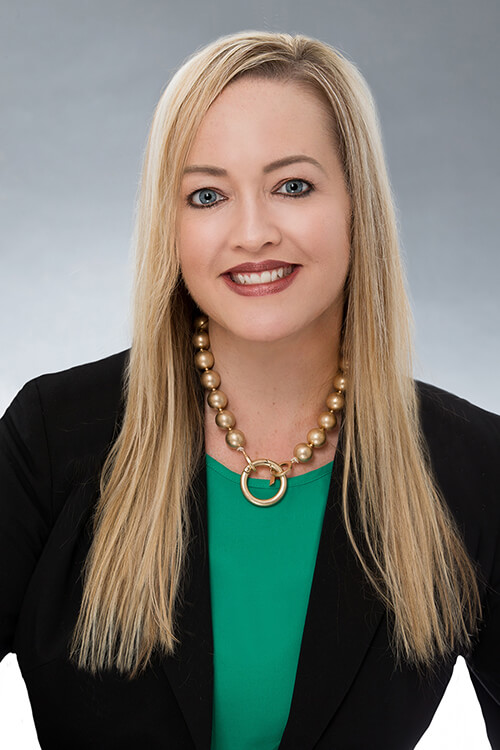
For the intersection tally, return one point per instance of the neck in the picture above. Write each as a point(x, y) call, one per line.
point(276, 391)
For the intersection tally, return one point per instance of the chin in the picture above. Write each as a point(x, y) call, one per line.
point(264, 330)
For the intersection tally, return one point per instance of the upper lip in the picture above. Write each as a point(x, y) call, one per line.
point(265, 265)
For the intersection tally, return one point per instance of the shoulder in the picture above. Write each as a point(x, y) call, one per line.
point(82, 406)
point(64, 418)
point(53, 439)
point(448, 420)
point(87, 391)
point(80, 393)
point(463, 444)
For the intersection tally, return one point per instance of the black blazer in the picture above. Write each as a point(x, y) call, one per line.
point(348, 692)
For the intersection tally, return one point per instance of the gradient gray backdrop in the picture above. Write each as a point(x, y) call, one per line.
point(79, 82)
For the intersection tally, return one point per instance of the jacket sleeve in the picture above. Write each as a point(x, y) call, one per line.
point(25, 503)
point(464, 442)
point(484, 660)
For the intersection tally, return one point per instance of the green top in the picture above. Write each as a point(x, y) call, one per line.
point(261, 568)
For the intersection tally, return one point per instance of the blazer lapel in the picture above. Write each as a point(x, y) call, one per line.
point(190, 670)
point(341, 621)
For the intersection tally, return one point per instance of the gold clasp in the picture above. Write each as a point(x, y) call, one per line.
point(285, 468)
point(247, 458)
point(276, 470)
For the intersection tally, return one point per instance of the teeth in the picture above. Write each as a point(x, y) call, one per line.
point(262, 278)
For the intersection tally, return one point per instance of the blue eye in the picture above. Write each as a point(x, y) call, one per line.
point(205, 197)
point(295, 187)
point(208, 197)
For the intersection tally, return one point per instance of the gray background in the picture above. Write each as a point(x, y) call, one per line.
point(79, 81)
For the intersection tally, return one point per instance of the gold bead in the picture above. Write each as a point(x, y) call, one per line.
point(235, 439)
point(217, 400)
point(316, 437)
point(201, 340)
point(335, 401)
point(204, 360)
point(210, 379)
point(327, 420)
point(201, 321)
point(225, 419)
point(302, 452)
point(340, 381)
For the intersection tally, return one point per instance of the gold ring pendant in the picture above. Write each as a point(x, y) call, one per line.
point(277, 470)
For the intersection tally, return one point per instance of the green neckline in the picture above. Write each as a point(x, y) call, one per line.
point(233, 476)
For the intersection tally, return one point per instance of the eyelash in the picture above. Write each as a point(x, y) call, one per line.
point(287, 195)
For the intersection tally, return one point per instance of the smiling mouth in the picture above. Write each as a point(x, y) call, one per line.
point(264, 277)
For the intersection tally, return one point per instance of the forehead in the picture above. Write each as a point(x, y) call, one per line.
point(259, 115)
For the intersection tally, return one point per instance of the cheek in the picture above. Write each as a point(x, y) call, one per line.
point(193, 251)
point(326, 237)
point(189, 251)
point(196, 242)
point(189, 260)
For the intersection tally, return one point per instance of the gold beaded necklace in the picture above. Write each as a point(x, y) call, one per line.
point(235, 439)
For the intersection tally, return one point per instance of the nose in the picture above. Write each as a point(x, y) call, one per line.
point(254, 225)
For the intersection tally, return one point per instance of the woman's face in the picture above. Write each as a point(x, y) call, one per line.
point(264, 215)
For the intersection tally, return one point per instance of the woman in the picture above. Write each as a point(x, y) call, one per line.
point(186, 601)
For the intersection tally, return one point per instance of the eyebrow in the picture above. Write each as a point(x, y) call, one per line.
point(284, 162)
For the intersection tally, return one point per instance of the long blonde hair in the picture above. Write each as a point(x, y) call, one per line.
point(399, 527)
